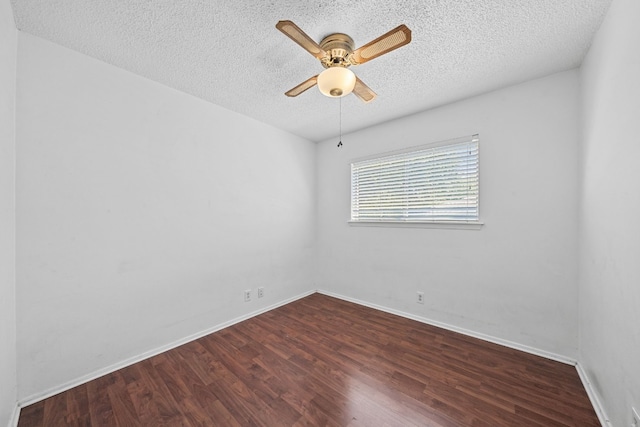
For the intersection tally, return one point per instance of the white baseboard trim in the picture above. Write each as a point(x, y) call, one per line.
point(135, 359)
point(15, 416)
point(484, 337)
point(593, 396)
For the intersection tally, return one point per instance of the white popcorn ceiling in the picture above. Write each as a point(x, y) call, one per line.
point(231, 54)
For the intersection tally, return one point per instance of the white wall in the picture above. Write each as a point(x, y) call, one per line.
point(516, 278)
point(610, 212)
point(8, 43)
point(143, 213)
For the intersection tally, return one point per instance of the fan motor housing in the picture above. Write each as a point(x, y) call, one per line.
point(339, 47)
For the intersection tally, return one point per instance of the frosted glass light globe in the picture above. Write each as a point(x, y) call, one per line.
point(336, 82)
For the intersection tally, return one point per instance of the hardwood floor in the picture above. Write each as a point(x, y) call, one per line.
point(321, 361)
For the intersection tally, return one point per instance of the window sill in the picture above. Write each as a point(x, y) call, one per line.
point(453, 225)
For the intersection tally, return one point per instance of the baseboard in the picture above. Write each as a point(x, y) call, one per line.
point(135, 359)
point(15, 416)
point(484, 337)
point(593, 396)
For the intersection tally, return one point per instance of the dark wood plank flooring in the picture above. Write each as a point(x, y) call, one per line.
point(321, 361)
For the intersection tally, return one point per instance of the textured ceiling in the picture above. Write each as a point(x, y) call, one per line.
point(230, 53)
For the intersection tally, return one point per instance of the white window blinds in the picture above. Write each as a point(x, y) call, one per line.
point(435, 183)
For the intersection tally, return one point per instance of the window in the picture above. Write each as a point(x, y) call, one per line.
point(435, 183)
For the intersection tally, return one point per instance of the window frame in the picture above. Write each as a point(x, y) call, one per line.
point(425, 223)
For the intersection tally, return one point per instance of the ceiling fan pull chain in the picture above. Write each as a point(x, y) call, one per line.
point(340, 142)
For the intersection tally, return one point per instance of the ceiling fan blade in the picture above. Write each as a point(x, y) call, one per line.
point(294, 32)
point(363, 91)
point(302, 87)
point(394, 39)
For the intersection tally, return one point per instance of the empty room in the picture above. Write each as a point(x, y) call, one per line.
point(329, 213)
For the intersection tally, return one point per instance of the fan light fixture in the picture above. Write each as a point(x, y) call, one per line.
point(336, 82)
point(336, 52)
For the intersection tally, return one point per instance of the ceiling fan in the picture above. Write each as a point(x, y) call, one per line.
point(336, 53)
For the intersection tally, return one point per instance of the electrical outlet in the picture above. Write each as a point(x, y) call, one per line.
point(635, 418)
point(247, 295)
point(420, 299)
point(260, 292)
